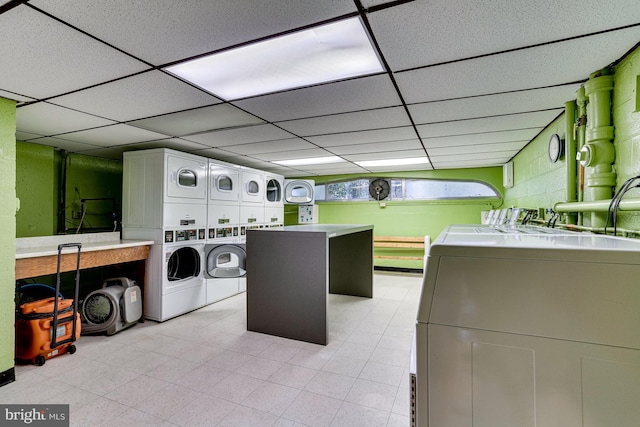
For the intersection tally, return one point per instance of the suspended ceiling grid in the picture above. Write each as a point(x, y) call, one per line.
point(466, 84)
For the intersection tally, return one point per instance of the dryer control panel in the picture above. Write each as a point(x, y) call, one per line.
point(171, 236)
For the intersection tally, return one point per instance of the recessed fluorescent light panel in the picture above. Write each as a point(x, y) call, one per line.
point(321, 54)
point(310, 161)
point(393, 162)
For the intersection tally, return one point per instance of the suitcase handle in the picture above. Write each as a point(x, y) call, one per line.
point(56, 320)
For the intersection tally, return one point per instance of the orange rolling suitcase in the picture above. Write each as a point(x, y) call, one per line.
point(47, 328)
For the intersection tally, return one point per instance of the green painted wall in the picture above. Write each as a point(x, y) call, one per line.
point(7, 239)
point(538, 183)
point(36, 186)
point(93, 178)
point(415, 218)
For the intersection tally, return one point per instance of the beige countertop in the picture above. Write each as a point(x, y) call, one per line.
point(33, 247)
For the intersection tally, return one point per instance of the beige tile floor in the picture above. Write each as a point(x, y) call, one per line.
point(205, 369)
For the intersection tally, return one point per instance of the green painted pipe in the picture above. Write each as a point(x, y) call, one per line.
point(580, 140)
point(570, 155)
point(596, 206)
point(598, 153)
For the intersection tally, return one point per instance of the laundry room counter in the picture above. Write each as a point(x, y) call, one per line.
point(38, 256)
point(290, 271)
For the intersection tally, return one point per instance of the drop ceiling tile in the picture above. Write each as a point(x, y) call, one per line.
point(364, 137)
point(347, 122)
point(384, 156)
point(64, 144)
point(536, 121)
point(14, 96)
point(48, 119)
point(348, 168)
point(26, 136)
point(493, 105)
point(45, 57)
point(183, 123)
point(174, 143)
point(240, 135)
point(340, 97)
point(111, 136)
point(453, 163)
point(406, 168)
point(481, 138)
point(162, 31)
point(270, 146)
point(447, 162)
point(477, 156)
point(292, 154)
point(513, 146)
point(524, 69)
point(143, 95)
point(217, 154)
point(430, 32)
point(377, 147)
point(114, 153)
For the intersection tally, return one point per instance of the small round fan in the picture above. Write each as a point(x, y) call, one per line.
point(379, 189)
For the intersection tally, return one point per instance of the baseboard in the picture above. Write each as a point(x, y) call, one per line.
point(7, 376)
point(399, 269)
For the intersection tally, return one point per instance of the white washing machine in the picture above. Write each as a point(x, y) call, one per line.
point(223, 209)
point(299, 191)
point(163, 188)
point(178, 267)
point(274, 200)
point(252, 196)
point(225, 269)
point(527, 328)
point(175, 282)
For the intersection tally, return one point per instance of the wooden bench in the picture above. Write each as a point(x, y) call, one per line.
point(393, 242)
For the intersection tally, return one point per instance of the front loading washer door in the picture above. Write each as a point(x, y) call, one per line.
point(183, 266)
point(299, 192)
point(225, 261)
point(273, 190)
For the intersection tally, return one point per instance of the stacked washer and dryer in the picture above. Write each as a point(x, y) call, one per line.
point(164, 200)
point(225, 253)
point(197, 211)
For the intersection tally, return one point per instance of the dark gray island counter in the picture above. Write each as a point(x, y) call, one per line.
point(290, 271)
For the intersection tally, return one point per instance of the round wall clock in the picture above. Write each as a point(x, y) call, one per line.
point(556, 148)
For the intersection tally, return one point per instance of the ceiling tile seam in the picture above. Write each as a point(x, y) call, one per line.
point(336, 114)
point(374, 41)
point(515, 141)
point(382, 6)
point(536, 135)
point(10, 5)
point(356, 131)
point(430, 138)
point(89, 35)
point(20, 103)
point(516, 49)
point(59, 95)
point(260, 39)
point(490, 117)
point(506, 92)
